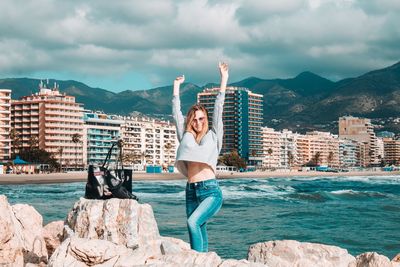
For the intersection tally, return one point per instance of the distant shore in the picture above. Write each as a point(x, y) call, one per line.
point(141, 176)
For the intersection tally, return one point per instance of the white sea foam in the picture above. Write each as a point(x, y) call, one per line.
point(345, 191)
point(256, 191)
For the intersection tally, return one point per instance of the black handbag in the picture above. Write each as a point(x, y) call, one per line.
point(104, 182)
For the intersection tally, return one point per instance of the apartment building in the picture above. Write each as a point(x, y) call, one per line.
point(349, 151)
point(319, 148)
point(361, 130)
point(271, 148)
point(148, 142)
point(100, 132)
point(52, 121)
point(391, 150)
point(288, 151)
point(5, 124)
point(242, 118)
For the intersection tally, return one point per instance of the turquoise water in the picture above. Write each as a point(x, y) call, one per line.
point(356, 213)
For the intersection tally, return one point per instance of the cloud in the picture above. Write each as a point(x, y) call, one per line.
point(159, 39)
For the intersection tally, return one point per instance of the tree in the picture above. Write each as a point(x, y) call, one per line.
point(316, 158)
point(60, 153)
point(168, 148)
point(39, 156)
point(233, 159)
point(269, 151)
point(330, 157)
point(76, 139)
point(16, 141)
point(290, 158)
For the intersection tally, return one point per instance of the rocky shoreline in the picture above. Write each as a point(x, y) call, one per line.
point(119, 232)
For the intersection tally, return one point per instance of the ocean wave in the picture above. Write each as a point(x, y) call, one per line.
point(256, 191)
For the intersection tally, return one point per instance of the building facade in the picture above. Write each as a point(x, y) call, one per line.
point(288, 151)
point(49, 120)
point(271, 148)
point(100, 132)
point(5, 124)
point(361, 130)
point(148, 142)
point(348, 153)
point(242, 118)
point(391, 151)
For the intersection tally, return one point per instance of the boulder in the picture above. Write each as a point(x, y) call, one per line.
point(396, 261)
point(240, 263)
point(93, 225)
point(293, 253)
point(11, 244)
point(121, 221)
point(53, 234)
point(186, 258)
point(371, 259)
point(21, 235)
point(30, 228)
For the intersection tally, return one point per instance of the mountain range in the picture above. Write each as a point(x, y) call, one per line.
point(305, 102)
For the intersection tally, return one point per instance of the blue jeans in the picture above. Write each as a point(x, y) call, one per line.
point(203, 200)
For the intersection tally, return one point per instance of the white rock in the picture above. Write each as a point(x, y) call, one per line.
point(186, 258)
point(121, 221)
point(240, 263)
point(53, 234)
point(31, 230)
point(293, 253)
point(371, 259)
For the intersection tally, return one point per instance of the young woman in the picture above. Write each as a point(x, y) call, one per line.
point(196, 159)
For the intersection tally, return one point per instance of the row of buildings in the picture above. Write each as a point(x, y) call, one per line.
point(53, 121)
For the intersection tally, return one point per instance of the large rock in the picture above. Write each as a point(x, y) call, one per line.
point(11, 244)
point(371, 259)
point(21, 235)
point(53, 234)
point(293, 253)
point(94, 227)
point(78, 252)
point(31, 231)
point(121, 221)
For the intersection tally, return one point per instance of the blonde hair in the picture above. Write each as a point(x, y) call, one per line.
point(189, 121)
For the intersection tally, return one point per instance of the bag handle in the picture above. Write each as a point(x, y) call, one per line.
point(119, 159)
point(108, 155)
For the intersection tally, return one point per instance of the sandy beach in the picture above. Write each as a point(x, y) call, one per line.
point(82, 176)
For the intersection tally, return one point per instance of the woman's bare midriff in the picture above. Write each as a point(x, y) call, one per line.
point(198, 172)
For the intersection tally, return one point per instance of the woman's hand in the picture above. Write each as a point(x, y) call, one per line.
point(223, 70)
point(177, 82)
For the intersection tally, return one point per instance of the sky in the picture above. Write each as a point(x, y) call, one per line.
point(133, 44)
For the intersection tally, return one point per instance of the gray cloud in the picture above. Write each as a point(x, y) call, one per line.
point(163, 38)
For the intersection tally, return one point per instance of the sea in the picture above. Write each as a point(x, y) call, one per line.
point(359, 214)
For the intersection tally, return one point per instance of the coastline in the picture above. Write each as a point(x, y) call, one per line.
point(9, 179)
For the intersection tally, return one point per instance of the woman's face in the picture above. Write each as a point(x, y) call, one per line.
point(198, 121)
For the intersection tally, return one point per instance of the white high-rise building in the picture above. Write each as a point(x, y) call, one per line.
point(5, 124)
point(271, 147)
point(148, 142)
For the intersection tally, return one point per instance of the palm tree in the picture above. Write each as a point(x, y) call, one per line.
point(60, 152)
point(16, 141)
point(76, 139)
point(269, 151)
point(168, 147)
point(290, 158)
point(330, 157)
point(317, 157)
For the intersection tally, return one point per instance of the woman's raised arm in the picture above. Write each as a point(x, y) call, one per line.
point(217, 125)
point(176, 107)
